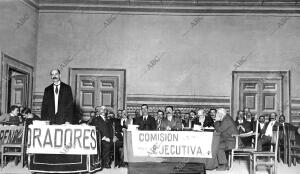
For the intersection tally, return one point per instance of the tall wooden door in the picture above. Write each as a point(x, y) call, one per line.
point(261, 92)
point(18, 89)
point(16, 84)
point(95, 91)
point(97, 87)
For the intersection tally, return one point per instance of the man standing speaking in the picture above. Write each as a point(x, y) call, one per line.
point(57, 106)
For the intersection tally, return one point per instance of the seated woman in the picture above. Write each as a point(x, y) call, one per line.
point(12, 117)
point(243, 126)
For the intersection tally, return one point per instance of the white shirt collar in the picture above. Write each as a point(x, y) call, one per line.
point(103, 117)
point(58, 84)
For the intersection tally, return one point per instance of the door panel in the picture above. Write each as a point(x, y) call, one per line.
point(108, 87)
point(260, 95)
point(16, 83)
point(261, 92)
point(96, 89)
point(18, 89)
point(86, 93)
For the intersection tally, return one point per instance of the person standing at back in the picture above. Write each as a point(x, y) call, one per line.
point(57, 106)
point(145, 122)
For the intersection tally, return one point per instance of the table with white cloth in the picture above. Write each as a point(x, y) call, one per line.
point(170, 151)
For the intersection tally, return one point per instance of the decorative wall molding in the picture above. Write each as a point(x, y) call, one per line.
point(32, 3)
point(169, 7)
point(182, 102)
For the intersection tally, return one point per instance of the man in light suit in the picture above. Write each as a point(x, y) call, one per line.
point(170, 122)
point(145, 122)
point(57, 106)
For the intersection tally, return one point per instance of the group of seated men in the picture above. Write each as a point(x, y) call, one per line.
point(111, 128)
point(246, 123)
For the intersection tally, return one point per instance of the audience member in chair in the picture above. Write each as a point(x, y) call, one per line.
point(226, 126)
point(125, 120)
point(248, 117)
point(202, 120)
point(243, 126)
point(265, 136)
point(177, 114)
point(87, 119)
point(160, 117)
point(12, 117)
point(186, 120)
point(212, 113)
point(262, 126)
point(137, 113)
point(170, 123)
point(119, 125)
point(29, 117)
point(145, 122)
point(104, 126)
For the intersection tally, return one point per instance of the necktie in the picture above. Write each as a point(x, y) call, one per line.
point(123, 123)
point(145, 118)
point(56, 89)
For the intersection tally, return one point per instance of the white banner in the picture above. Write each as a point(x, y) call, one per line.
point(62, 139)
point(172, 144)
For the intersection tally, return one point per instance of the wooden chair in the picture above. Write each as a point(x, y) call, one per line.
point(244, 150)
point(269, 157)
point(14, 149)
point(294, 148)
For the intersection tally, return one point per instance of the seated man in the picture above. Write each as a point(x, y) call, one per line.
point(186, 121)
point(266, 136)
point(226, 126)
point(171, 122)
point(87, 119)
point(119, 125)
point(177, 113)
point(243, 126)
point(212, 113)
point(28, 116)
point(104, 126)
point(160, 116)
point(145, 122)
point(202, 120)
point(126, 120)
point(12, 117)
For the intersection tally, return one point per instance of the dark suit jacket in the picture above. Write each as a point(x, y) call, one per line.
point(65, 105)
point(105, 128)
point(246, 124)
point(118, 128)
point(174, 124)
point(227, 128)
point(261, 131)
point(208, 122)
point(149, 124)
